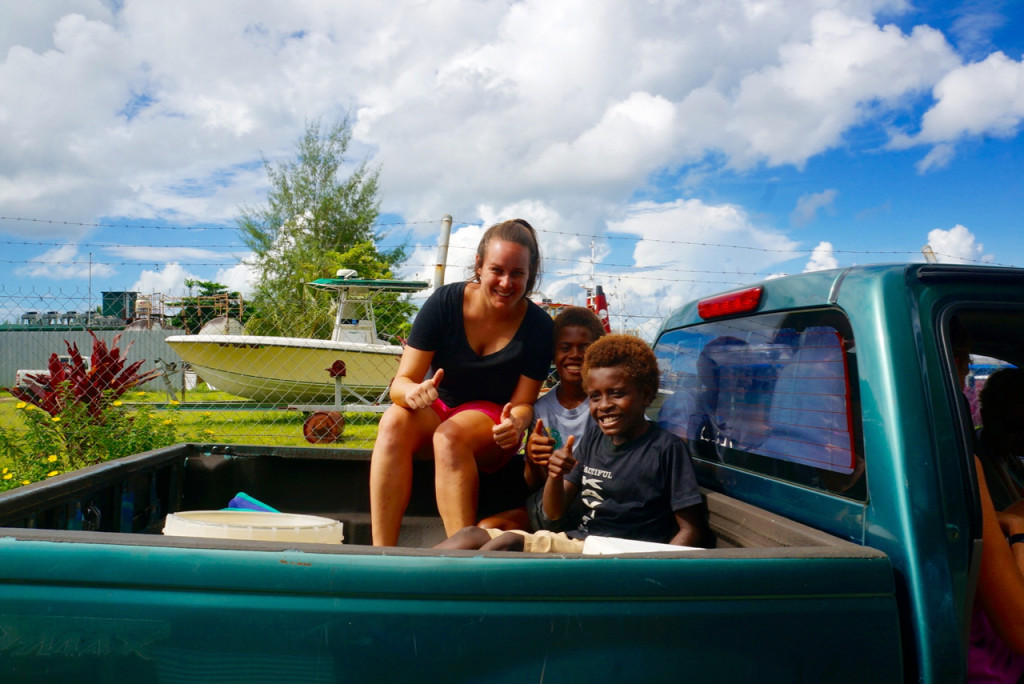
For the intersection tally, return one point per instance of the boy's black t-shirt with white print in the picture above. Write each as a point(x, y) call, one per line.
point(633, 490)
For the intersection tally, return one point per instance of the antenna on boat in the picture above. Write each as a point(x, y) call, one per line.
point(442, 250)
point(596, 301)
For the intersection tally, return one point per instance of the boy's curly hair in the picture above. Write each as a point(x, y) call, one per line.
point(634, 356)
point(579, 317)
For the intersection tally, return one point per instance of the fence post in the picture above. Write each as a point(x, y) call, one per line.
point(442, 250)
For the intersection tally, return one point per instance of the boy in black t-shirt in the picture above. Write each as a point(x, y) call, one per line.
point(634, 479)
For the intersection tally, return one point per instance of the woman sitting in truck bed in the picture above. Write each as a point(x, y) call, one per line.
point(466, 383)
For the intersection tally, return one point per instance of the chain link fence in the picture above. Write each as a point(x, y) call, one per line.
point(313, 370)
point(325, 384)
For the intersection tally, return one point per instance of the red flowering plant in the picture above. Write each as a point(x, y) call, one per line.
point(94, 386)
point(82, 420)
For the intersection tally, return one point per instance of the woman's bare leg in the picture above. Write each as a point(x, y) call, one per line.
point(401, 434)
point(460, 443)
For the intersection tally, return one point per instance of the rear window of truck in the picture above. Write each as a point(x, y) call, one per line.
point(773, 394)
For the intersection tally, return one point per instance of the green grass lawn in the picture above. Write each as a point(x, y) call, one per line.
point(216, 417)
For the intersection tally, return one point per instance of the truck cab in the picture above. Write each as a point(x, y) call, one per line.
point(832, 398)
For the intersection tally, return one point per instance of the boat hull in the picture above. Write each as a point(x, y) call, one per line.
point(289, 370)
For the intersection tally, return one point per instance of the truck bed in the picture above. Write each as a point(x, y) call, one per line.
point(89, 587)
point(133, 495)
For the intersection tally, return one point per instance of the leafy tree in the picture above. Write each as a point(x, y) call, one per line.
point(311, 217)
point(213, 300)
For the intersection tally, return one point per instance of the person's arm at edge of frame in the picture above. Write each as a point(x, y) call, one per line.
point(1011, 521)
point(410, 389)
point(1000, 582)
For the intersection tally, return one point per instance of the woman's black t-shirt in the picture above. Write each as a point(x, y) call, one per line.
point(439, 328)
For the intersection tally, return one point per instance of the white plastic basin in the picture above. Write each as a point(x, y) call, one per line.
point(231, 524)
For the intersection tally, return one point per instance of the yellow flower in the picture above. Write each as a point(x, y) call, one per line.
point(25, 482)
point(207, 414)
point(30, 407)
point(174, 402)
point(8, 476)
point(52, 473)
point(167, 422)
point(140, 394)
point(5, 471)
point(118, 403)
point(209, 432)
point(52, 458)
point(55, 419)
point(20, 405)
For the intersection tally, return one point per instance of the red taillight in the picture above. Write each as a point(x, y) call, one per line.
point(730, 304)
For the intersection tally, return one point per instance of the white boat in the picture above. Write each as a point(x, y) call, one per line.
point(355, 365)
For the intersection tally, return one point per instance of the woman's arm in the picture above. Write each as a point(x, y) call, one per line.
point(409, 389)
point(1000, 582)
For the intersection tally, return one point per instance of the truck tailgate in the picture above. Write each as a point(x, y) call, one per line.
point(146, 608)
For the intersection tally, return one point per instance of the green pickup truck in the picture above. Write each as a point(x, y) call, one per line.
point(829, 436)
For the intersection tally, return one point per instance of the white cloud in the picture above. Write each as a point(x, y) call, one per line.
point(564, 113)
point(562, 103)
point(956, 246)
point(63, 263)
point(241, 278)
point(636, 133)
point(786, 113)
point(149, 253)
point(30, 24)
point(808, 206)
point(168, 280)
point(939, 157)
point(822, 258)
point(984, 98)
point(689, 249)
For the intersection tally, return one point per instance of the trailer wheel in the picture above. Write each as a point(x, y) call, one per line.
point(323, 427)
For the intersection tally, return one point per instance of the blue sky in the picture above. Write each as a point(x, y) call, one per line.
point(688, 145)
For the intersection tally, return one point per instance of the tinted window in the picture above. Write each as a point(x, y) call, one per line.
point(772, 393)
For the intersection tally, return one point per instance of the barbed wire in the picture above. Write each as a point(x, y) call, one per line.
point(601, 266)
point(86, 224)
point(590, 236)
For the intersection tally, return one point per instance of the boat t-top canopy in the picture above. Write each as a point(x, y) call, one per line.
point(377, 285)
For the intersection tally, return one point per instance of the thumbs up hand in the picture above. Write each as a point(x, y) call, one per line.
point(562, 461)
point(425, 393)
point(508, 433)
point(539, 444)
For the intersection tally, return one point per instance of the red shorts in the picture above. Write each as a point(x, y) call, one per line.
point(489, 409)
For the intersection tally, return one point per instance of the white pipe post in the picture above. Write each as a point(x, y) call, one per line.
point(442, 250)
